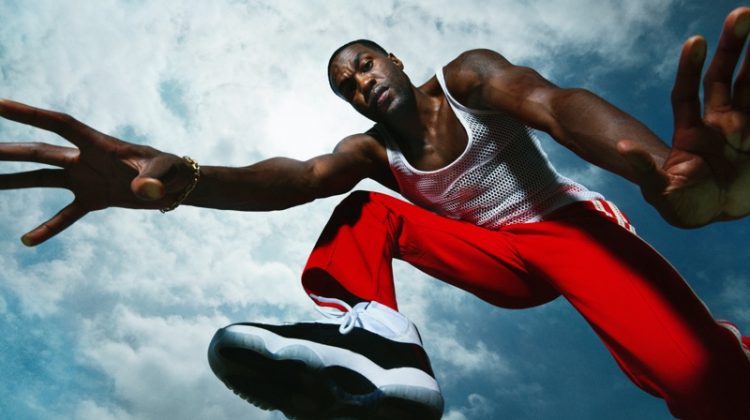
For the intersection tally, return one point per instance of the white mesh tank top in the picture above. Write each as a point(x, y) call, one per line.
point(502, 177)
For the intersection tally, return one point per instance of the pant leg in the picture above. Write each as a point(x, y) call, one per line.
point(352, 258)
point(660, 333)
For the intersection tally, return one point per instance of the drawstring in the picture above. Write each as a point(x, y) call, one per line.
point(348, 318)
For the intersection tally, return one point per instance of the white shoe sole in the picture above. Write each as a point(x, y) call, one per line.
point(306, 379)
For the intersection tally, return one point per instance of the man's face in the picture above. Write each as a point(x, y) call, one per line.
point(372, 82)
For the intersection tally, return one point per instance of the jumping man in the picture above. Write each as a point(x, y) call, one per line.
point(488, 214)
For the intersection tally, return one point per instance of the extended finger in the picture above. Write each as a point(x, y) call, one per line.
point(57, 122)
point(38, 152)
point(717, 84)
point(49, 178)
point(686, 106)
point(741, 93)
point(59, 222)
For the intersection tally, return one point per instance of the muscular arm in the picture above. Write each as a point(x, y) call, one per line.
point(577, 118)
point(280, 183)
point(702, 177)
point(102, 171)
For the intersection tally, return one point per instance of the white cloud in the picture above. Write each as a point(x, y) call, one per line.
point(468, 359)
point(477, 407)
point(454, 414)
point(158, 368)
point(734, 295)
point(248, 82)
point(89, 409)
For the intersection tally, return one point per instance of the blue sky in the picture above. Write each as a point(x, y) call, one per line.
point(111, 319)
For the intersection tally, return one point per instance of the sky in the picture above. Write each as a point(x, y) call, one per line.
point(112, 318)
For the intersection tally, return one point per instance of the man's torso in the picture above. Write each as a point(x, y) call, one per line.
point(481, 166)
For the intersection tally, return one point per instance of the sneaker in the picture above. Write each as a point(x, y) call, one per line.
point(367, 363)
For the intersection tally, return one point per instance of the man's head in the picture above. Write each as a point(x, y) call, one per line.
point(370, 79)
point(366, 42)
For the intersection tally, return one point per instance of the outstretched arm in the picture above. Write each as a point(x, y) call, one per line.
point(704, 176)
point(708, 168)
point(103, 171)
point(279, 182)
point(577, 118)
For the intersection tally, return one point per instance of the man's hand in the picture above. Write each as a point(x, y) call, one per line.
point(706, 176)
point(101, 171)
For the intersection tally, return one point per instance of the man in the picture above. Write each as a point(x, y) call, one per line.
point(492, 217)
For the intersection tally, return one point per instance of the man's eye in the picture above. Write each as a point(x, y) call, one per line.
point(347, 90)
point(367, 66)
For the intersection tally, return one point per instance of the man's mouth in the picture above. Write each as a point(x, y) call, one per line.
point(380, 96)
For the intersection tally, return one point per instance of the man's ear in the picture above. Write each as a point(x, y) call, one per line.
point(396, 61)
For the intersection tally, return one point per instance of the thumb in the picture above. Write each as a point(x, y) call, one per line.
point(651, 178)
point(147, 188)
point(156, 173)
point(638, 158)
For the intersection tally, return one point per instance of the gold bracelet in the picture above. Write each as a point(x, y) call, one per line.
point(189, 189)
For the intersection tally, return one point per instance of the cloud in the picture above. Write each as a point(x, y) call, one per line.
point(158, 368)
point(734, 296)
point(89, 409)
point(139, 294)
point(454, 415)
point(464, 360)
point(477, 407)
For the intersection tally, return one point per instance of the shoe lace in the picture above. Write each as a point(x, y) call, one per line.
point(347, 319)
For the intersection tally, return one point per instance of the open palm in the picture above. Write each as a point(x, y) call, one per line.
point(706, 177)
point(101, 171)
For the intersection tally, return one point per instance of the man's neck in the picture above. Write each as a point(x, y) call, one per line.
point(418, 125)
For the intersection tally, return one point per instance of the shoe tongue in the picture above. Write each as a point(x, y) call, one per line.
point(381, 319)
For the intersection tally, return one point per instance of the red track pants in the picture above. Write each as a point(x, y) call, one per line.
point(659, 332)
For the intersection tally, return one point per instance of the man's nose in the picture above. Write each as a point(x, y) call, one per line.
point(366, 83)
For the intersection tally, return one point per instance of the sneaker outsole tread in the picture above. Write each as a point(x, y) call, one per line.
point(295, 382)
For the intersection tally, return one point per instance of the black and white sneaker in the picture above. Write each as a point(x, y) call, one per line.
point(368, 363)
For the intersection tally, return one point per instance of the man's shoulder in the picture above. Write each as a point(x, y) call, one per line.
point(477, 61)
point(465, 74)
point(369, 148)
point(368, 142)
point(478, 54)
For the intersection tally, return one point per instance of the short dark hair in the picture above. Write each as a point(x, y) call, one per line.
point(366, 42)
